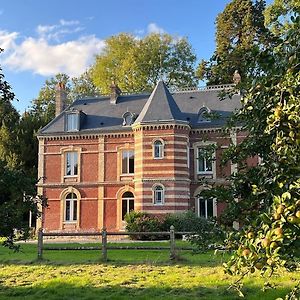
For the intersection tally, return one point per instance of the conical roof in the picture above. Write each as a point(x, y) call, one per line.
point(160, 106)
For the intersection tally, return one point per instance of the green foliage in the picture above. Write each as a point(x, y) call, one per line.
point(266, 198)
point(240, 31)
point(137, 65)
point(205, 232)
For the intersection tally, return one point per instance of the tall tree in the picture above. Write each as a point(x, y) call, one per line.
point(268, 195)
point(136, 65)
point(15, 185)
point(240, 30)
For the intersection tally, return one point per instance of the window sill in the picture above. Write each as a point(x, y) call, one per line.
point(70, 222)
point(159, 204)
point(158, 157)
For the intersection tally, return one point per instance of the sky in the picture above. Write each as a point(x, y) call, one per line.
point(42, 38)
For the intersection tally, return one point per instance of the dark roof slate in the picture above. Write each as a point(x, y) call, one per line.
point(102, 116)
point(160, 106)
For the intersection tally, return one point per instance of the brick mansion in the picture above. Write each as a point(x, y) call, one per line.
point(102, 157)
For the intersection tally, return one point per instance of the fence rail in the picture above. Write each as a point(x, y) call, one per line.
point(104, 247)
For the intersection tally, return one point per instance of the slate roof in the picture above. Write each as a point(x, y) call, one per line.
point(160, 106)
point(101, 116)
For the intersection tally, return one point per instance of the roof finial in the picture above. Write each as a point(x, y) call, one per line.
point(160, 67)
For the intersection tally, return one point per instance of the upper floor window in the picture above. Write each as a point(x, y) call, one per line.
point(158, 194)
point(71, 207)
point(72, 122)
point(204, 161)
point(127, 162)
point(71, 163)
point(158, 149)
point(203, 115)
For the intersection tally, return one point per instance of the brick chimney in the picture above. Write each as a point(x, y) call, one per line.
point(115, 93)
point(60, 98)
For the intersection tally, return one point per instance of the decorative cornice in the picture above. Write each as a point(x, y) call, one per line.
point(160, 126)
point(87, 136)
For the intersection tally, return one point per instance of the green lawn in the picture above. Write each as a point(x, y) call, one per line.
point(128, 274)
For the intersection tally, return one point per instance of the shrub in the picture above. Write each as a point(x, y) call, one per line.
point(143, 222)
point(206, 232)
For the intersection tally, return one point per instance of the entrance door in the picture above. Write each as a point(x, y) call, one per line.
point(127, 204)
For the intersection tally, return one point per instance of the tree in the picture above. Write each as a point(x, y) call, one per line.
point(15, 185)
point(240, 31)
point(267, 197)
point(137, 65)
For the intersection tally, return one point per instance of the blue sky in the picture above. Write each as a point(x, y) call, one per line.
point(42, 38)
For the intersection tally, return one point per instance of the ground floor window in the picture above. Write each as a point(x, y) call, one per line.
point(71, 208)
point(206, 208)
point(127, 203)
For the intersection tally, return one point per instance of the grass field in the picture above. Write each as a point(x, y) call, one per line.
point(128, 274)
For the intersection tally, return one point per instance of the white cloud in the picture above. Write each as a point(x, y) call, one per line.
point(57, 31)
point(40, 56)
point(7, 39)
point(154, 28)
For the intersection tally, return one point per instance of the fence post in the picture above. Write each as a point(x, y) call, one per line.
point(40, 243)
point(104, 244)
point(172, 243)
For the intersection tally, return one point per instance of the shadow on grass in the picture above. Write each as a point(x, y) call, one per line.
point(127, 290)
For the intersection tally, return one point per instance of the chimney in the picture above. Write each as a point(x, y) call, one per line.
point(60, 98)
point(236, 77)
point(115, 93)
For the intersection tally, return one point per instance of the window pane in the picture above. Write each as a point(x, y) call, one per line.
point(208, 165)
point(202, 208)
point(131, 161)
point(72, 122)
point(74, 210)
point(75, 162)
point(131, 204)
point(124, 208)
point(68, 207)
point(124, 162)
point(201, 164)
point(68, 163)
point(210, 209)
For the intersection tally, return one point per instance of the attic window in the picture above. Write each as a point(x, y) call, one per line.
point(128, 118)
point(203, 115)
point(72, 121)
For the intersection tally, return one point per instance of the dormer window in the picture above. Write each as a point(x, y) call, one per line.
point(203, 115)
point(72, 122)
point(128, 118)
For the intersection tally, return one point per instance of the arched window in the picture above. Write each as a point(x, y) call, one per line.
point(158, 149)
point(158, 194)
point(71, 208)
point(203, 115)
point(127, 203)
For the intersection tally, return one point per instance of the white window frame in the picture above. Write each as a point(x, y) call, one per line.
point(72, 119)
point(72, 163)
point(188, 156)
point(214, 203)
point(155, 193)
point(127, 161)
point(161, 148)
point(72, 206)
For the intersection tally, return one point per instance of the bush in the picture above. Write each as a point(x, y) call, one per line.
point(143, 222)
point(206, 232)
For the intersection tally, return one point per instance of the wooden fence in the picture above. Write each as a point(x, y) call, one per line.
point(104, 247)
